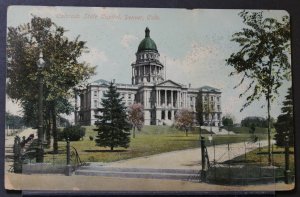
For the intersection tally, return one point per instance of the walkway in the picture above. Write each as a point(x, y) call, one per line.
point(187, 159)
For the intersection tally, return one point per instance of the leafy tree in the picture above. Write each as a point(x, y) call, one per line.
point(263, 58)
point(284, 125)
point(253, 121)
point(136, 116)
point(184, 119)
point(73, 133)
point(252, 129)
point(112, 125)
point(61, 73)
point(13, 121)
point(227, 121)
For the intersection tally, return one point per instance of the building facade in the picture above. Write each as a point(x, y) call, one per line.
point(161, 97)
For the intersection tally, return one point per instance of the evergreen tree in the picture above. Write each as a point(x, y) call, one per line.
point(112, 125)
point(284, 124)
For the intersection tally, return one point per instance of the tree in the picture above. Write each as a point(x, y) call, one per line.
point(184, 119)
point(284, 125)
point(255, 121)
point(227, 120)
point(62, 71)
point(136, 116)
point(13, 121)
point(252, 129)
point(112, 125)
point(263, 58)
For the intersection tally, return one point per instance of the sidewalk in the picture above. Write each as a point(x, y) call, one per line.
point(98, 183)
point(186, 159)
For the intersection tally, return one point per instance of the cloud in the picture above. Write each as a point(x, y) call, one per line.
point(94, 56)
point(128, 40)
point(197, 65)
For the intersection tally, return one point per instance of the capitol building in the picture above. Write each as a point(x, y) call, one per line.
point(161, 97)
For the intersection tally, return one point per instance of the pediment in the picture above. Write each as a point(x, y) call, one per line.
point(169, 83)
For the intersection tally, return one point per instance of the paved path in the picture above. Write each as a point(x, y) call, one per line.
point(187, 159)
point(9, 140)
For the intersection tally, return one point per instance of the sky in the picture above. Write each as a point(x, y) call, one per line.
point(193, 45)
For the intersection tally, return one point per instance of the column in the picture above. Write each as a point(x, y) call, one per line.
point(165, 97)
point(183, 98)
point(172, 115)
point(132, 71)
point(159, 99)
point(156, 98)
point(179, 99)
point(144, 95)
point(194, 103)
point(172, 98)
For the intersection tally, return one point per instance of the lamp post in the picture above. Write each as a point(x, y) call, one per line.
point(40, 152)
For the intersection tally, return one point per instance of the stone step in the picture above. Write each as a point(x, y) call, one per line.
point(145, 175)
point(175, 174)
point(154, 170)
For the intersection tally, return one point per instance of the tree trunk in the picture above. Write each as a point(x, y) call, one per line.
point(48, 133)
point(133, 132)
point(54, 131)
point(186, 132)
point(111, 148)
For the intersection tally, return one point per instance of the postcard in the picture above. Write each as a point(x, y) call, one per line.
point(144, 99)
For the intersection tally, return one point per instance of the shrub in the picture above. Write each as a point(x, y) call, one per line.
point(74, 133)
point(91, 138)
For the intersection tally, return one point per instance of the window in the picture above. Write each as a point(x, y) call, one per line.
point(95, 103)
point(169, 115)
point(163, 115)
point(129, 96)
point(211, 98)
point(95, 93)
point(218, 99)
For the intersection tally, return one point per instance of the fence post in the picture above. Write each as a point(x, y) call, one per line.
point(215, 170)
point(203, 160)
point(17, 156)
point(287, 172)
point(68, 167)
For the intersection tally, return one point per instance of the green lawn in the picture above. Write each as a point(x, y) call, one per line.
point(151, 140)
point(260, 157)
point(245, 130)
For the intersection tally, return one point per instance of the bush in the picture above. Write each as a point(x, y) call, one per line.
point(74, 133)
